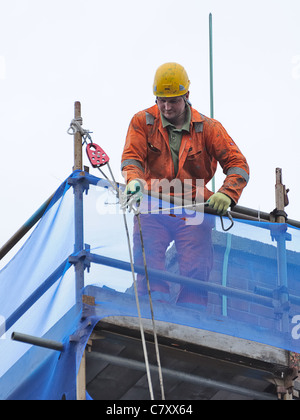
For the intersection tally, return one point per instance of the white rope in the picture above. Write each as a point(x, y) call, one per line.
point(124, 204)
point(76, 127)
point(152, 313)
point(139, 310)
point(131, 204)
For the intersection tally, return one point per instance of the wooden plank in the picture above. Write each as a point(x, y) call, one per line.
point(81, 380)
point(211, 340)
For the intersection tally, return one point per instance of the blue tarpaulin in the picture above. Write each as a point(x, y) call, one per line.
point(243, 283)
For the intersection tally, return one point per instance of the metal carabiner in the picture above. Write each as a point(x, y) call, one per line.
point(228, 214)
point(131, 202)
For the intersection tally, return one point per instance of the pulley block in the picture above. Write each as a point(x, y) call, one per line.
point(96, 155)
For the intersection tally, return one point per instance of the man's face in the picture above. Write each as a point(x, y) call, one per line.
point(172, 108)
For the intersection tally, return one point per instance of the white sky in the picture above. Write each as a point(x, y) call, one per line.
point(105, 53)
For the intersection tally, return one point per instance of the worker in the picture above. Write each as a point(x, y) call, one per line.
point(172, 141)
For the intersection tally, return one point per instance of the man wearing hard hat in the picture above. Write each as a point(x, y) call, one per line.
point(172, 141)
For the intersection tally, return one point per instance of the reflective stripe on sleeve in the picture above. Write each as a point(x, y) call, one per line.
point(238, 171)
point(132, 162)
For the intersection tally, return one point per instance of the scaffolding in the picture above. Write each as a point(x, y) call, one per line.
point(281, 301)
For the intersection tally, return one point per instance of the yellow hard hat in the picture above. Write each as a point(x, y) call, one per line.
point(170, 80)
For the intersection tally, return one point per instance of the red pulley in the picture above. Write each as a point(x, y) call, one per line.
point(96, 155)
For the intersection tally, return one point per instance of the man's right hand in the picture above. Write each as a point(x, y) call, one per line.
point(133, 194)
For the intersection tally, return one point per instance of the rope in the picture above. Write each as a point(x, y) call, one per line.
point(139, 310)
point(138, 304)
point(137, 214)
point(152, 312)
point(76, 127)
point(132, 205)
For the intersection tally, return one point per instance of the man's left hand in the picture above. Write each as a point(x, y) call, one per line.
point(219, 202)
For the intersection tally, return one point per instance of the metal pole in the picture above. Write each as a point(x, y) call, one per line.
point(78, 209)
point(37, 341)
point(35, 296)
point(25, 228)
point(172, 278)
point(182, 376)
point(78, 140)
point(281, 237)
point(281, 196)
point(79, 244)
point(211, 76)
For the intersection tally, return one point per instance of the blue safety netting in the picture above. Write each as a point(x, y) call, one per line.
point(243, 283)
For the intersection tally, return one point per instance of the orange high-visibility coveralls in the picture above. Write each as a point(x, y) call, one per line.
point(147, 156)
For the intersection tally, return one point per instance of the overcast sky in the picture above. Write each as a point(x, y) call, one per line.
point(105, 53)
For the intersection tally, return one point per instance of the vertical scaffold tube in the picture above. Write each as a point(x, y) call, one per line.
point(78, 209)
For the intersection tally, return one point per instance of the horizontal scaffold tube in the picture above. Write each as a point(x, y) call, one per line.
point(35, 296)
point(37, 341)
point(25, 228)
point(182, 376)
point(238, 212)
point(173, 278)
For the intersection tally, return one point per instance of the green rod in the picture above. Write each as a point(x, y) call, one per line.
point(211, 76)
point(211, 70)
